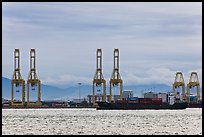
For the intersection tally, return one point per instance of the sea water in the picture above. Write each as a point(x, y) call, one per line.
point(89, 121)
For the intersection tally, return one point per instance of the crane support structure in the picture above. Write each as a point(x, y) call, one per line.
point(115, 77)
point(17, 81)
point(33, 80)
point(193, 82)
point(179, 81)
point(98, 79)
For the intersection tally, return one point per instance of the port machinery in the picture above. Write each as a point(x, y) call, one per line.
point(193, 82)
point(179, 81)
point(115, 77)
point(33, 80)
point(98, 79)
point(17, 81)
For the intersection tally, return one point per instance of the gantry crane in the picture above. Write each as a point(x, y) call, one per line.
point(193, 82)
point(17, 81)
point(115, 77)
point(179, 81)
point(98, 79)
point(33, 80)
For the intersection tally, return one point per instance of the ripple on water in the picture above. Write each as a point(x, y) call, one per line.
point(91, 121)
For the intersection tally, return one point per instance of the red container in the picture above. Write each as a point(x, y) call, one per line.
point(132, 101)
point(157, 102)
point(150, 100)
point(156, 99)
point(145, 100)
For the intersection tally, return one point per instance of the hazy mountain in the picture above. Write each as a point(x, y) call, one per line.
point(50, 92)
point(6, 87)
point(47, 92)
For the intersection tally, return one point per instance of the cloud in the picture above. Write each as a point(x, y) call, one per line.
point(66, 80)
point(150, 76)
point(145, 77)
point(158, 38)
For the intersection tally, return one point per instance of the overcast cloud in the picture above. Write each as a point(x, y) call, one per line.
point(155, 40)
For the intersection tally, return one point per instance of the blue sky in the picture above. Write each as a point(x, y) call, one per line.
point(155, 40)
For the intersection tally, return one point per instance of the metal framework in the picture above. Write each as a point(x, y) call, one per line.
point(17, 80)
point(193, 82)
point(179, 81)
point(33, 80)
point(98, 79)
point(115, 77)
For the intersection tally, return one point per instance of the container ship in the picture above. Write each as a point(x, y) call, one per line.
point(140, 103)
point(195, 105)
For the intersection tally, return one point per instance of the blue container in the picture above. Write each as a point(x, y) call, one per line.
point(132, 98)
point(193, 98)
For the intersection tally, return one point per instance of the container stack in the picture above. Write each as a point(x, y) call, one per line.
point(150, 100)
point(133, 100)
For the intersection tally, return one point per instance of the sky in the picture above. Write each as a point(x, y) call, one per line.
point(155, 40)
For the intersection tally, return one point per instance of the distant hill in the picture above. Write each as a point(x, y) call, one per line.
point(47, 92)
point(6, 87)
point(54, 93)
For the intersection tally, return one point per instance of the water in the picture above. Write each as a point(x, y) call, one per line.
point(101, 122)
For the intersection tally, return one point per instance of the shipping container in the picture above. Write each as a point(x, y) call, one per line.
point(150, 100)
point(132, 98)
point(133, 101)
point(156, 100)
point(193, 98)
point(145, 100)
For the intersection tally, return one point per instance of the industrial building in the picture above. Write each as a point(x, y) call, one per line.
point(150, 95)
point(115, 97)
point(79, 100)
point(98, 97)
point(127, 93)
point(163, 96)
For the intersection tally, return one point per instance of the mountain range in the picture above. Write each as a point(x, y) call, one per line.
point(49, 92)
